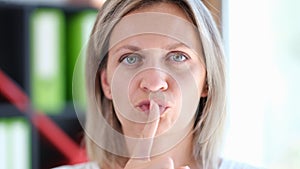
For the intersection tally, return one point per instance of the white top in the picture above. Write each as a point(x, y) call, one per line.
point(226, 164)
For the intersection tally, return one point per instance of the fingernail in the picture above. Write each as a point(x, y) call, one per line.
point(154, 108)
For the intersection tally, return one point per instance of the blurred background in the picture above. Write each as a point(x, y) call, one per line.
point(262, 39)
point(40, 41)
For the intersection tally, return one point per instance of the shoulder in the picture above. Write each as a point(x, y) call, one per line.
point(89, 165)
point(228, 164)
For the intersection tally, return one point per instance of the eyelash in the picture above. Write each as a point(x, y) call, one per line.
point(171, 54)
point(127, 55)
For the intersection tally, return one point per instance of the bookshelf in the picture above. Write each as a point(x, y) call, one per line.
point(17, 46)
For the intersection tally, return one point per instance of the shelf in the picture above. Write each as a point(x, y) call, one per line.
point(15, 63)
point(8, 110)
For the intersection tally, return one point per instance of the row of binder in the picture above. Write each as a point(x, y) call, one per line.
point(55, 37)
point(56, 41)
point(15, 141)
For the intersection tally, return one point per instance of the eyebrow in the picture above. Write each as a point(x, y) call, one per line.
point(130, 47)
point(175, 46)
point(136, 48)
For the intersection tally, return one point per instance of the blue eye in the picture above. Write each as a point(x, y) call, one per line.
point(131, 59)
point(178, 57)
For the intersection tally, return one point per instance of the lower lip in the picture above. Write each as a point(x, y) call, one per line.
point(162, 110)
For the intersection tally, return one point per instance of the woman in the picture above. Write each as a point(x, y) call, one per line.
point(156, 87)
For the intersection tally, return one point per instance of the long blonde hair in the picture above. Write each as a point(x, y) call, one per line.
point(211, 111)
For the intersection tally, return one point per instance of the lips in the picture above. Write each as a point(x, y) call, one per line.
point(145, 106)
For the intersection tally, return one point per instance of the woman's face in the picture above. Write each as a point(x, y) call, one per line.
point(153, 67)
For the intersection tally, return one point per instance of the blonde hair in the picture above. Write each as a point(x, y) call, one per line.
point(210, 115)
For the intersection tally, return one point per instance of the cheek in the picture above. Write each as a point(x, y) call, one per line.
point(201, 84)
point(132, 87)
point(199, 74)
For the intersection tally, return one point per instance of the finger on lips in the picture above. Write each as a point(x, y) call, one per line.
point(142, 151)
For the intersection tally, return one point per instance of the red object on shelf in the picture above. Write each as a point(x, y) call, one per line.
point(45, 125)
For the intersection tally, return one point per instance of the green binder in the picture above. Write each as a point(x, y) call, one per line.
point(47, 40)
point(4, 149)
point(19, 143)
point(79, 29)
point(15, 143)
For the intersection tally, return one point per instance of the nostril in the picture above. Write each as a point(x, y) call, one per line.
point(164, 86)
point(153, 85)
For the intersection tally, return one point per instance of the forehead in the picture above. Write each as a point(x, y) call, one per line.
point(164, 26)
point(166, 20)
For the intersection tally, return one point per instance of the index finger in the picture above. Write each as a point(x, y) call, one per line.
point(142, 150)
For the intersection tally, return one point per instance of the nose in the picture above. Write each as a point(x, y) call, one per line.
point(153, 81)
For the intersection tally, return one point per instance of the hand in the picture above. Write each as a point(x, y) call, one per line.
point(142, 151)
